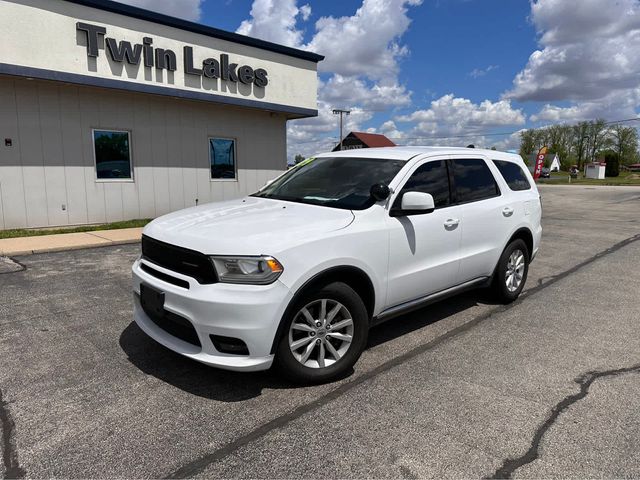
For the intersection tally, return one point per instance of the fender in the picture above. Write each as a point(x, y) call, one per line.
point(314, 278)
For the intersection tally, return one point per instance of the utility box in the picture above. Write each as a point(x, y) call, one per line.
point(595, 170)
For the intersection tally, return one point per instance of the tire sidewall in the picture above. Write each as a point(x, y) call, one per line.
point(500, 287)
point(341, 292)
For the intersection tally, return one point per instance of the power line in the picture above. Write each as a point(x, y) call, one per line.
point(474, 135)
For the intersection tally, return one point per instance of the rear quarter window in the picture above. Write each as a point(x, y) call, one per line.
point(513, 175)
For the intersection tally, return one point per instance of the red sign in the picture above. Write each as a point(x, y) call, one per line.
point(539, 163)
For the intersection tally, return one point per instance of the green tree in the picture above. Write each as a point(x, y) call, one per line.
point(581, 141)
point(298, 158)
point(599, 138)
point(527, 144)
point(625, 143)
point(613, 164)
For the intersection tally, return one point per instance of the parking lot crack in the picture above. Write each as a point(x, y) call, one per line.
point(510, 465)
point(9, 451)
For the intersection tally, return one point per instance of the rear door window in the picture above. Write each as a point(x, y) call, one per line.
point(513, 175)
point(431, 177)
point(473, 180)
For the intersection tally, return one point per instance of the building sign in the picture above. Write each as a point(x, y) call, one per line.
point(120, 47)
point(160, 58)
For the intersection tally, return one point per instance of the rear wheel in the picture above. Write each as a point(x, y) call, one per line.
point(511, 272)
point(324, 334)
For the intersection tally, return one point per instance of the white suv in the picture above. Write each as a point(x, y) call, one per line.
point(298, 272)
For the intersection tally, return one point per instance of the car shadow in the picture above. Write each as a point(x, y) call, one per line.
point(191, 376)
point(221, 385)
point(410, 322)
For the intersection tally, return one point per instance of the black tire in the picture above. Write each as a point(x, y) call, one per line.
point(500, 289)
point(291, 367)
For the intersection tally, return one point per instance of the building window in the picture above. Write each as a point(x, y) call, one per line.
point(112, 149)
point(222, 155)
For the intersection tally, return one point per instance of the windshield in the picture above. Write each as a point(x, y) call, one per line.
point(337, 182)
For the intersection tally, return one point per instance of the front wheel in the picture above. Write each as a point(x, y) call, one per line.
point(324, 334)
point(511, 271)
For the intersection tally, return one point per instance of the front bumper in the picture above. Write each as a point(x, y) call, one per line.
point(250, 313)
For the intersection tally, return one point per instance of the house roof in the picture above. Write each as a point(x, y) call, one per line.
point(373, 140)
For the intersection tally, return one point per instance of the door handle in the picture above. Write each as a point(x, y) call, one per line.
point(507, 211)
point(451, 223)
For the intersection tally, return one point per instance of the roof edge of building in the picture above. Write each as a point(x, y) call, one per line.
point(142, 14)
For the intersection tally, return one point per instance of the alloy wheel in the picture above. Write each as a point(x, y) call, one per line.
point(321, 333)
point(515, 270)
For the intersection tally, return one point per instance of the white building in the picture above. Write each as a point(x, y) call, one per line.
point(110, 112)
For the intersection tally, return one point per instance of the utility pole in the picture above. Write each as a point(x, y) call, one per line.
point(340, 112)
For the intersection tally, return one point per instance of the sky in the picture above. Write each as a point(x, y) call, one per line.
point(446, 72)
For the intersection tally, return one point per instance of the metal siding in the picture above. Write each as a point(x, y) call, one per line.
point(72, 132)
point(53, 154)
point(90, 118)
point(142, 155)
point(189, 157)
point(14, 214)
point(35, 188)
point(51, 126)
point(159, 155)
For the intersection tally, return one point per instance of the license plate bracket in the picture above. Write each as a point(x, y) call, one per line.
point(152, 301)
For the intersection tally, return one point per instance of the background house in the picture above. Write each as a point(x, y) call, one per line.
point(551, 161)
point(356, 140)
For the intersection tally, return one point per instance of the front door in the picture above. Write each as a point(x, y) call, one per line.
point(424, 249)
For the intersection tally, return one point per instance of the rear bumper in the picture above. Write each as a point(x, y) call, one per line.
point(250, 313)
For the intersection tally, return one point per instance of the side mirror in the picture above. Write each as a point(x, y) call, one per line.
point(414, 203)
point(379, 192)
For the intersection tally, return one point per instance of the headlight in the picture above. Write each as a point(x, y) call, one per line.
point(252, 270)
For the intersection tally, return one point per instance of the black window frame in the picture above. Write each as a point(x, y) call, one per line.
point(497, 161)
point(397, 201)
point(454, 188)
point(131, 177)
point(235, 158)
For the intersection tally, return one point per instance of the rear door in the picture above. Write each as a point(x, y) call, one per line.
point(424, 249)
point(486, 214)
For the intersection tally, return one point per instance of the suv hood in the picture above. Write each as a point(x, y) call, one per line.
point(247, 226)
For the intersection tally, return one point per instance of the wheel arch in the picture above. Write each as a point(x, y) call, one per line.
point(354, 277)
point(524, 234)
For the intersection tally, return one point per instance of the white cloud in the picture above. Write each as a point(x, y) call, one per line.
point(453, 115)
point(305, 12)
point(362, 55)
point(186, 9)
point(275, 21)
point(366, 43)
point(453, 121)
point(481, 72)
point(320, 134)
point(349, 91)
point(588, 55)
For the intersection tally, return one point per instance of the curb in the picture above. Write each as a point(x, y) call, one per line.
point(17, 253)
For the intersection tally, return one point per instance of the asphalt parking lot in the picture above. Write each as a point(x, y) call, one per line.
point(546, 387)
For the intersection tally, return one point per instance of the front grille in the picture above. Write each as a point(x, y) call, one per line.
point(174, 325)
point(177, 259)
point(163, 276)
